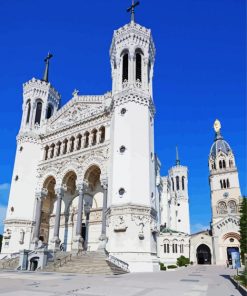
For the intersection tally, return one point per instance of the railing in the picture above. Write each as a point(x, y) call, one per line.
point(123, 265)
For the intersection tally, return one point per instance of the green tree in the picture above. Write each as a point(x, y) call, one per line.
point(243, 228)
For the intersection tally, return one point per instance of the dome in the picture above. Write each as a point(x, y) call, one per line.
point(219, 145)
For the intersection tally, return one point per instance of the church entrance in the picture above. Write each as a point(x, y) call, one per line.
point(203, 254)
point(229, 253)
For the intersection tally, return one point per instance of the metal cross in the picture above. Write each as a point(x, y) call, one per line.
point(132, 9)
point(46, 73)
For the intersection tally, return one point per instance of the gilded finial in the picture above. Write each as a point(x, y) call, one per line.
point(217, 126)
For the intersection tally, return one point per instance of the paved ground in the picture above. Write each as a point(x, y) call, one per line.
point(190, 281)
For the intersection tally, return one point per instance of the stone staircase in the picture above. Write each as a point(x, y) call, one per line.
point(9, 264)
point(85, 263)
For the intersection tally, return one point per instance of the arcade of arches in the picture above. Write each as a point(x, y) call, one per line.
point(70, 216)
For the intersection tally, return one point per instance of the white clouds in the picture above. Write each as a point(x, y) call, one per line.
point(198, 227)
point(4, 186)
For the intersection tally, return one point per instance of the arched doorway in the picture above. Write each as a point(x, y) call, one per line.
point(203, 254)
point(67, 211)
point(93, 203)
point(47, 210)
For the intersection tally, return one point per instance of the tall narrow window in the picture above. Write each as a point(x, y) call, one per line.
point(224, 164)
point(138, 67)
point(220, 164)
point(38, 113)
point(224, 183)
point(172, 184)
point(49, 112)
point(183, 182)
point(177, 182)
point(125, 67)
point(227, 183)
point(221, 184)
point(28, 111)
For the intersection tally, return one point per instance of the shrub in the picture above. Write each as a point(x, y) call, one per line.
point(162, 266)
point(171, 266)
point(182, 261)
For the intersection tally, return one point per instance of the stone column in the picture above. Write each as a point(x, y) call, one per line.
point(39, 198)
point(59, 193)
point(103, 238)
point(87, 214)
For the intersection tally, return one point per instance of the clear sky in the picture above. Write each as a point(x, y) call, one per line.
point(199, 74)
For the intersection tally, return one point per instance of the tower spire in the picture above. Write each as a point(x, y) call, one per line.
point(177, 157)
point(132, 9)
point(46, 73)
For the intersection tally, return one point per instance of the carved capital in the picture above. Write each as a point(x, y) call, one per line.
point(104, 183)
point(41, 194)
point(82, 187)
point(60, 190)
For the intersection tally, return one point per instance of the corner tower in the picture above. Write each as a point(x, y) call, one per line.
point(223, 178)
point(179, 197)
point(132, 193)
point(40, 102)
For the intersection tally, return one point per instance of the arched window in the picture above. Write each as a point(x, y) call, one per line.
point(52, 150)
point(125, 76)
point(38, 113)
point(46, 152)
point(78, 147)
point(149, 71)
point(94, 137)
point(58, 148)
point(183, 186)
point(174, 248)
point(102, 134)
point(65, 146)
point(138, 67)
point(230, 163)
point(86, 143)
point(28, 111)
point(181, 248)
point(222, 208)
point(224, 183)
point(227, 183)
point(172, 184)
point(232, 206)
point(49, 111)
point(72, 144)
point(220, 164)
point(221, 184)
point(224, 164)
point(177, 182)
point(166, 246)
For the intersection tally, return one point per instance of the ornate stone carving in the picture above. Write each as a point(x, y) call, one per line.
point(120, 225)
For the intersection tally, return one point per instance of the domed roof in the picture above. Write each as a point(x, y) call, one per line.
point(219, 145)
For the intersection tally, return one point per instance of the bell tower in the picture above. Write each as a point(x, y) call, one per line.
point(132, 203)
point(40, 102)
point(179, 201)
point(223, 178)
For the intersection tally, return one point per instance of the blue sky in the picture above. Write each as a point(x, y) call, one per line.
point(199, 74)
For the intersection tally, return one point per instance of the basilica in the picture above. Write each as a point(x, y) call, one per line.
point(86, 175)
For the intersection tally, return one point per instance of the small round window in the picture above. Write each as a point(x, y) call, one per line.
point(123, 111)
point(122, 149)
point(121, 191)
point(179, 220)
point(231, 240)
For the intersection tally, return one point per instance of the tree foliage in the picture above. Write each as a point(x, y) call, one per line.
point(243, 228)
point(183, 261)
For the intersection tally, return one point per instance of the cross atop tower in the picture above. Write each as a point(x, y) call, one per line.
point(132, 9)
point(46, 73)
